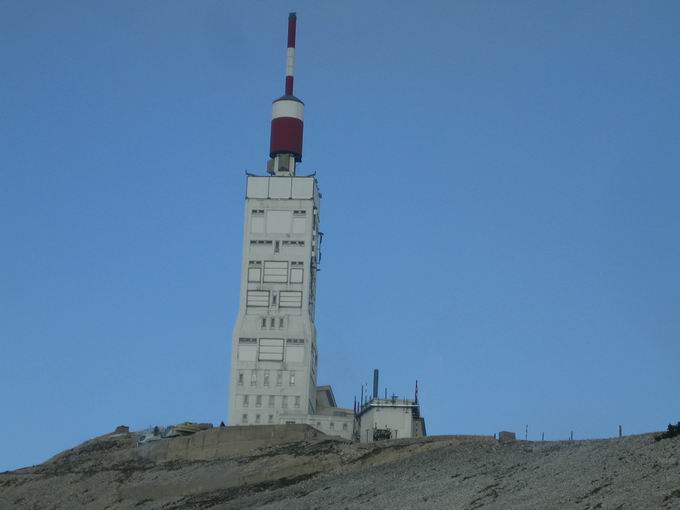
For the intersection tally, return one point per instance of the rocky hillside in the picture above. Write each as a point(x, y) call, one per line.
point(447, 472)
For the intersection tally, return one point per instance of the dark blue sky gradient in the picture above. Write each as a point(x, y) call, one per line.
point(500, 202)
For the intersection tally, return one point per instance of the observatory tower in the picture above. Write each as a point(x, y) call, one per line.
point(274, 351)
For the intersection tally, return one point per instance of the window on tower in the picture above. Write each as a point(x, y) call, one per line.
point(266, 377)
point(296, 275)
point(254, 274)
point(257, 299)
point(295, 350)
point(246, 402)
point(257, 221)
point(275, 271)
point(244, 418)
point(271, 349)
point(253, 378)
point(291, 299)
point(292, 378)
point(299, 222)
point(247, 349)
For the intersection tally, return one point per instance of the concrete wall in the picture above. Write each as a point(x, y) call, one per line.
point(225, 442)
point(419, 427)
point(342, 426)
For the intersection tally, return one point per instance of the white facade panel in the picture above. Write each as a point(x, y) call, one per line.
point(299, 224)
point(257, 224)
point(260, 251)
point(247, 352)
point(257, 187)
point(280, 187)
point(279, 222)
point(295, 353)
point(296, 275)
point(303, 188)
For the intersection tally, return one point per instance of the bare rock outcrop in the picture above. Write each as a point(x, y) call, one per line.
point(309, 470)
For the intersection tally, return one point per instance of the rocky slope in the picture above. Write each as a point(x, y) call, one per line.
point(447, 472)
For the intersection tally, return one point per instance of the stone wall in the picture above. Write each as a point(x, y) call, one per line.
point(225, 442)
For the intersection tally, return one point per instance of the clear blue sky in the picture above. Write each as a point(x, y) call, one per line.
point(500, 202)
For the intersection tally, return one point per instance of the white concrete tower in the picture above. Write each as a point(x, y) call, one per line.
point(274, 354)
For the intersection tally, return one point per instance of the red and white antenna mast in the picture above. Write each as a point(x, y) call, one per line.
point(290, 62)
point(285, 146)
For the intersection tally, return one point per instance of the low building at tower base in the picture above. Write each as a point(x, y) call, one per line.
point(329, 418)
point(381, 419)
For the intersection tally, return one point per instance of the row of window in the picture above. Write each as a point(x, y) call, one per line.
point(270, 420)
point(266, 377)
point(275, 271)
point(278, 221)
point(271, 349)
point(272, 322)
point(277, 244)
point(244, 419)
point(258, 401)
point(266, 299)
point(258, 263)
point(331, 425)
point(296, 213)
